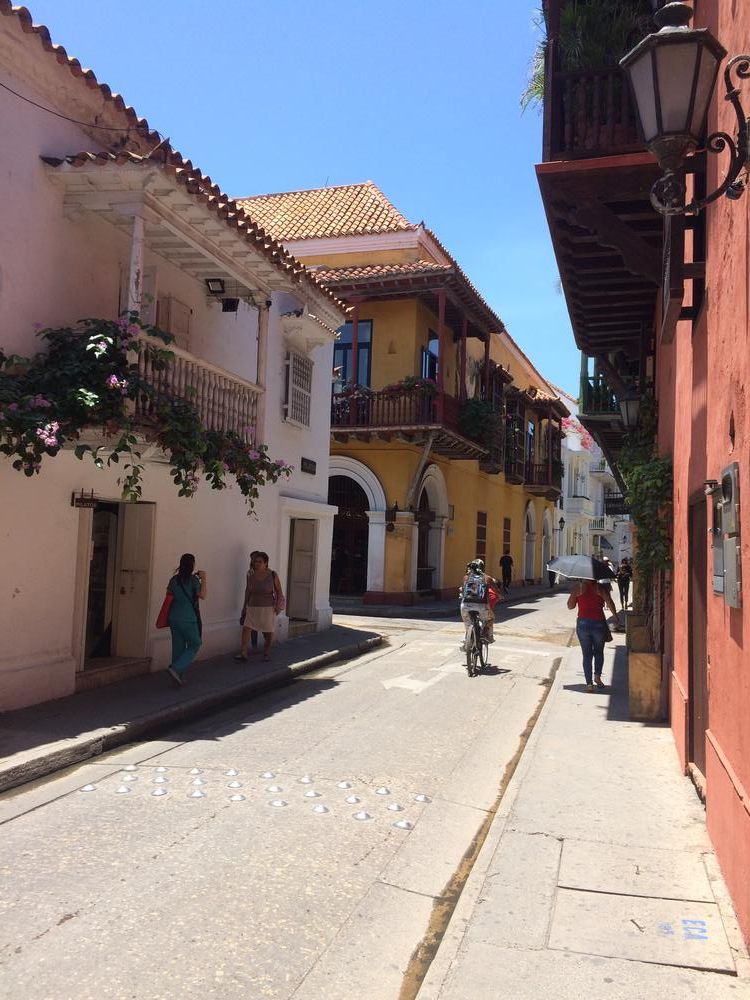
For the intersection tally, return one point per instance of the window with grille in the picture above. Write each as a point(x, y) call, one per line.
point(506, 536)
point(298, 389)
point(481, 546)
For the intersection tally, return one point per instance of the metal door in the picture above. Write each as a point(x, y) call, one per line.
point(698, 595)
point(301, 568)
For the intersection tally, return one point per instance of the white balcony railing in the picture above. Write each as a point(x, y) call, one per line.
point(578, 506)
point(600, 468)
point(602, 524)
point(225, 401)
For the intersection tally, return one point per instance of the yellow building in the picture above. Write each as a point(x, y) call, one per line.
point(445, 437)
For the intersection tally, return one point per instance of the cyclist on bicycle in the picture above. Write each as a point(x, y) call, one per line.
point(475, 596)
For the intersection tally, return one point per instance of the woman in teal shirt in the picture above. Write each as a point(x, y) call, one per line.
point(186, 588)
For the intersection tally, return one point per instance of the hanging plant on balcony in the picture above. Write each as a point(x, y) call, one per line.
point(480, 421)
point(425, 386)
point(648, 481)
point(89, 378)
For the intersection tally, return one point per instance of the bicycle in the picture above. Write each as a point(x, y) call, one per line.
point(476, 646)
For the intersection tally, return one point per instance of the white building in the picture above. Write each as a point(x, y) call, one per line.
point(93, 224)
point(587, 528)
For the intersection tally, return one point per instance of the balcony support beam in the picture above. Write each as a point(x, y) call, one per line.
point(462, 359)
point(486, 371)
point(638, 255)
point(442, 351)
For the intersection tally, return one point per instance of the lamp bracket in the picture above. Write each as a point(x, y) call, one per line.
point(668, 193)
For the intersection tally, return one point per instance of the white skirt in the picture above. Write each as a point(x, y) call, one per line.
point(260, 619)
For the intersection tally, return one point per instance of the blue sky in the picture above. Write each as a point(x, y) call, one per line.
point(419, 96)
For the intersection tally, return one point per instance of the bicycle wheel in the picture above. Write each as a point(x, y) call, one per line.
point(470, 655)
point(484, 649)
point(479, 657)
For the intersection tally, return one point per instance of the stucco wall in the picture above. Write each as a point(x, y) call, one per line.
point(712, 374)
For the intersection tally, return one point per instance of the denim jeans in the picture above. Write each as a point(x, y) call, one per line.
point(591, 634)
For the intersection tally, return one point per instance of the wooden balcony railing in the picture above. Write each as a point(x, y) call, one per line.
point(540, 475)
point(597, 399)
point(403, 408)
point(589, 113)
point(224, 401)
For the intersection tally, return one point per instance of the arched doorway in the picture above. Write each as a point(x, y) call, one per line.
point(350, 536)
point(529, 544)
point(432, 518)
point(425, 570)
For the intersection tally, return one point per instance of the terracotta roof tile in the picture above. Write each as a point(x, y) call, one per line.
point(204, 190)
point(147, 139)
point(320, 213)
point(365, 272)
point(139, 125)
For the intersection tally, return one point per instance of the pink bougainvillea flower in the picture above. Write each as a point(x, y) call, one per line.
point(13, 407)
point(254, 455)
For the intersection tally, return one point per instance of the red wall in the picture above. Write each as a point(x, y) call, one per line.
point(711, 387)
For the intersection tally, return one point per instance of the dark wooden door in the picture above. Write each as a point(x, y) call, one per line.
point(698, 595)
point(350, 536)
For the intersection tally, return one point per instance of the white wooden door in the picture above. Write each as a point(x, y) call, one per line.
point(131, 625)
point(301, 568)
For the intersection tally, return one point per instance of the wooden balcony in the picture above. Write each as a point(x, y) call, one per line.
point(408, 415)
point(597, 400)
point(225, 401)
point(589, 113)
point(543, 480)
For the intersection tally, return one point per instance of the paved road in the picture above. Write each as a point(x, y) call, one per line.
point(300, 845)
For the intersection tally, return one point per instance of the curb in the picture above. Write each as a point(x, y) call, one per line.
point(87, 747)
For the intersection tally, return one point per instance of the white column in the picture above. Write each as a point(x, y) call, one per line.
point(437, 548)
point(376, 551)
point(135, 277)
point(262, 373)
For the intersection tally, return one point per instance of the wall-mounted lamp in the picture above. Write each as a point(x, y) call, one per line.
point(215, 286)
point(630, 406)
point(673, 74)
point(561, 523)
point(230, 305)
point(390, 518)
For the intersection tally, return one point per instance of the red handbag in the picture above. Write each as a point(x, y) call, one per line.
point(163, 619)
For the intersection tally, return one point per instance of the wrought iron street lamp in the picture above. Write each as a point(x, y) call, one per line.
point(673, 75)
point(630, 406)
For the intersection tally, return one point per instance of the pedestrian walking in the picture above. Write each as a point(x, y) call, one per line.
point(624, 576)
point(187, 588)
point(506, 567)
point(263, 600)
point(253, 631)
point(591, 598)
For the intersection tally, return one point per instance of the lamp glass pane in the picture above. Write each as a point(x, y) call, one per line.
point(676, 66)
point(707, 73)
point(642, 78)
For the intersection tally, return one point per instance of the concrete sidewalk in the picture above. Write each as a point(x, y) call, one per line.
point(48, 737)
point(597, 878)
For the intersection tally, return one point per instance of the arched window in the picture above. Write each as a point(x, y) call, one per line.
point(430, 355)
